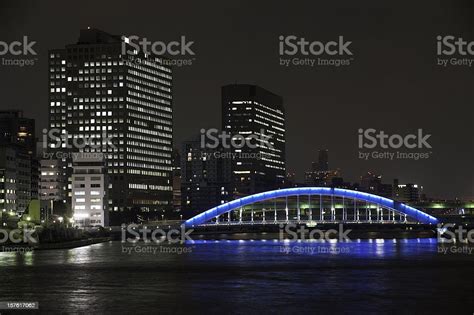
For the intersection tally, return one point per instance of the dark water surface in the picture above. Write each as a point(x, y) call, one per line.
point(245, 277)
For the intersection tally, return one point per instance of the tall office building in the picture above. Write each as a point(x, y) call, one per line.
point(253, 112)
point(107, 97)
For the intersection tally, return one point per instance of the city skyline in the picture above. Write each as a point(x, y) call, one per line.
point(327, 106)
point(239, 157)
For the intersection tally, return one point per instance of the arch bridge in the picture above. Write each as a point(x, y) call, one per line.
point(311, 205)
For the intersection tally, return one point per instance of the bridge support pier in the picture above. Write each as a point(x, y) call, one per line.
point(333, 210)
point(309, 208)
point(344, 215)
point(298, 210)
point(321, 213)
point(275, 207)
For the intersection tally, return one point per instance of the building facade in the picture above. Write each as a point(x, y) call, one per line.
point(89, 191)
point(52, 188)
point(206, 177)
point(257, 115)
point(18, 163)
point(407, 193)
point(105, 96)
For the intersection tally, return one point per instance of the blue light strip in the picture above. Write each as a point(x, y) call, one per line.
point(337, 192)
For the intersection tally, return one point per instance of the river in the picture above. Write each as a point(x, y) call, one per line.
point(245, 277)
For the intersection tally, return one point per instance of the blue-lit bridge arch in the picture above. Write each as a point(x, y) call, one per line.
point(313, 204)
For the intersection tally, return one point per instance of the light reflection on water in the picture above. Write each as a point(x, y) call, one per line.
point(252, 275)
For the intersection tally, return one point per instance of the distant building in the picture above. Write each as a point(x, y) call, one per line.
point(322, 178)
point(323, 161)
point(89, 190)
point(18, 163)
point(407, 192)
point(206, 177)
point(176, 182)
point(251, 111)
point(372, 183)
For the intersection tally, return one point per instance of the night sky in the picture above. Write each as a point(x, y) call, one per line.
point(393, 82)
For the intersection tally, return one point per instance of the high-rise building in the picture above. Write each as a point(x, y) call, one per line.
point(107, 97)
point(254, 113)
point(206, 177)
point(323, 160)
point(322, 164)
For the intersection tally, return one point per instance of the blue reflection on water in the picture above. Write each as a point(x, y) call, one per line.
point(366, 248)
